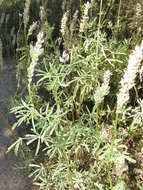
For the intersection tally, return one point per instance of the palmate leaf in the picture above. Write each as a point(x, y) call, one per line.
point(32, 138)
point(130, 159)
point(39, 171)
point(16, 145)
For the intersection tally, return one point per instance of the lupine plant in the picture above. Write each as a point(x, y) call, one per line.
point(78, 117)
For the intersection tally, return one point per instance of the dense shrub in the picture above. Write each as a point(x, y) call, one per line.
point(79, 119)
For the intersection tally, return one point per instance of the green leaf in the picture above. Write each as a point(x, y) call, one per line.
point(15, 146)
point(130, 159)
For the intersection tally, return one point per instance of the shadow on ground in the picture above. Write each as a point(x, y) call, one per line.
point(10, 178)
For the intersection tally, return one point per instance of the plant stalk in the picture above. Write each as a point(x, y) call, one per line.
point(112, 146)
point(68, 168)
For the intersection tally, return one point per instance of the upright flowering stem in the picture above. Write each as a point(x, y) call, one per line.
point(127, 83)
point(85, 17)
point(63, 24)
point(84, 20)
point(100, 93)
point(128, 80)
point(35, 52)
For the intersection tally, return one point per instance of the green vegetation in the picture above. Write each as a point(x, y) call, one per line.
point(79, 94)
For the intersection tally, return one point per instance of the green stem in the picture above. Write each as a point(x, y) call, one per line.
point(119, 12)
point(112, 146)
point(137, 96)
point(30, 93)
point(80, 103)
point(80, 4)
point(97, 118)
point(96, 108)
point(68, 168)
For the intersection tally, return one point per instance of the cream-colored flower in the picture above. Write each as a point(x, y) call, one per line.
point(63, 23)
point(120, 165)
point(31, 29)
point(85, 17)
point(42, 14)
point(35, 52)
point(73, 22)
point(102, 90)
point(138, 10)
point(130, 74)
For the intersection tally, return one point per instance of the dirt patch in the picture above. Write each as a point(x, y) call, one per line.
point(10, 177)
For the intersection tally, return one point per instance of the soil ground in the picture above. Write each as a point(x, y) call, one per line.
point(10, 177)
